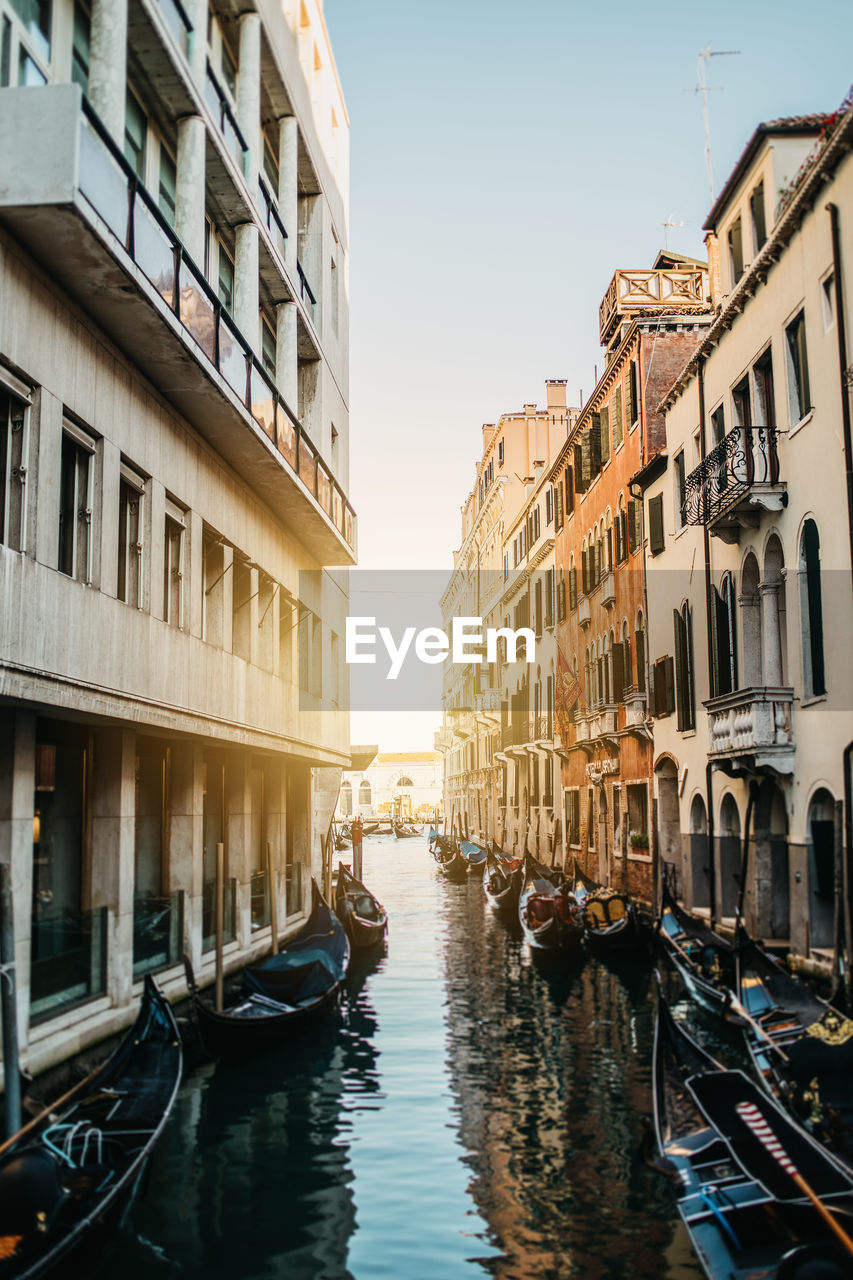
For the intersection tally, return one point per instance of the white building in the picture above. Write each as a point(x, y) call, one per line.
point(405, 783)
point(174, 445)
point(749, 562)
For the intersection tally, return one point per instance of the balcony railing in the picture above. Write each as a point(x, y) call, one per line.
point(68, 958)
point(268, 210)
point(753, 722)
point(214, 96)
point(544, 729)
point(112, 187)
point(583, 611)
point(673, 292)
point(488, 701)
point(608, 589)
point(175, 16)
point(306, 293)
point(158, 931)
point(740, 474)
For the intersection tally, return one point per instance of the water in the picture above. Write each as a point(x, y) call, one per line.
point(465, 1115)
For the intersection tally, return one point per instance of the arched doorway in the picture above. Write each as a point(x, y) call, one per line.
point(820, 839)
point(700, 862)
point(730, 856)
point(669, 818)
point(772, 862)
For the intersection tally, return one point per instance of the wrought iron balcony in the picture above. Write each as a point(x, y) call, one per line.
point(674, 292)
point(543, 730)
point(753, 723)
point(736, 482)
point(487, 704)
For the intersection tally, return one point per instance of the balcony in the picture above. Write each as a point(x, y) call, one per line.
point(583, 611)
point(516, 734)
point(214, 96)
point(543, 731)
point(487, 705)
point(68, 195)
point(736, 482)
point(443, 740)
point(608, 589)
point(680, 291)
point(753, 725)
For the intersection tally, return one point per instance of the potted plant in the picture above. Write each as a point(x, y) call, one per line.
point(639, 840)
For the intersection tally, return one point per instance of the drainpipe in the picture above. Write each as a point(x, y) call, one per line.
point(844, 377)
point(706, 544)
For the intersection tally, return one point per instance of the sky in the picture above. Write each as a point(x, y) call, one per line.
point(505, 159)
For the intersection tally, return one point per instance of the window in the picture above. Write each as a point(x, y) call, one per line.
point(827, 301)
point(13, 452)
point(616, 407)
point(725, 638)
point(735, 239)
point(572, 802)
point(812, 611)
point(228, 68)
point(680, 478)
point(135, 128)
point(604, 428)
point(26, 43)
point(561, 597)
point(741, 408)
point(762, 376)
point(549, 505)
point(500, 453)
point(225, 282)
point(242, 594)
point(130, 499)
point(685, 700)
point(268, 350)
point(621, 531)
point(590, 819)
point(75, 512)
point(570, 492)
point(549, 598)
point(168, 185)
point(80, 48)
point(799, 397)
point(632, 400)
point(271, 166)
point(365, 794)
point(214, 568)
point(718, 425)
point(640, 646)
point(759, 219)
point(333, 286)
point(635, 524)
point(173, 565)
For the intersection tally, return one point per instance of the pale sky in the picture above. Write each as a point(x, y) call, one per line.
point(506, 158)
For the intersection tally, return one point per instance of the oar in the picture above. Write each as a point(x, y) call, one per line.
point(738, 1007)
point(756, 1123)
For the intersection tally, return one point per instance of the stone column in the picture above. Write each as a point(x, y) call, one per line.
point(751, 620)
point(113, 871)
point(189, 192)
point(772, 636)
point(249, 94)
point(108, 64)
point(246, 301)
point(286, 355)
point(288, 187)
point(186, 816)
point(17, 788)
point(197, 11)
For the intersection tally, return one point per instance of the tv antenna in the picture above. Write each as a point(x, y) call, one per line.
point(704, 88)
point(669, 225)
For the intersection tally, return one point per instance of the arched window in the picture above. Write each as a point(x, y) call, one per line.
point(573, 584)
point(621, 531)
point(700, 863)
point(405, 781)
point(628, 670)
point(346, 798)
point(584, 569)
point(725, 638)
point(608, 535)
point(365, 795)
point(640, 646)
point(685, 695)
point(812, 611)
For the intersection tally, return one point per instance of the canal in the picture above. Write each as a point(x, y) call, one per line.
point(464, 1115)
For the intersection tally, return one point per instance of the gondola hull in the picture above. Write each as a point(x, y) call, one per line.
point(549, 917)
point(78, 1169)
point(453, 867)
point(502, 886)
point(361, 914)
point(705, 961)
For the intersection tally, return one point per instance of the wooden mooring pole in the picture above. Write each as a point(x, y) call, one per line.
point(8, 996)
point(219, 909)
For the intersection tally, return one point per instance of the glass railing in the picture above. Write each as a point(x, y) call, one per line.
point(113, 189)
point(208, 913)
point(306, 293)
point(158, 928)
point(270, 217)
point(176, 19)
point(260, 900)
point(293, 887)
point(68, 961)
point(220, 109)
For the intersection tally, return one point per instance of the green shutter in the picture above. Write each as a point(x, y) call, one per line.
point(586, 459)
point(617, 417)
point(604, 425)
point(640, 646)
point(594, 433)
point(618, 673)
point(680, 668)
point(580, 474)
point(656, 540)
point(570, 492)
point(573, 587)
point(558, 507)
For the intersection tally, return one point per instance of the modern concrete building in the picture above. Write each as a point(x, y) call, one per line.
point(174, 445)
point(749, 581)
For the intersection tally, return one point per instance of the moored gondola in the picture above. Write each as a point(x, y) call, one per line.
point(361, 914)
point(403, 831)
point(283, 993)
point(502, 884)
point(745, 1213)
point(611, 922)
point(76, 1168)
point(475, 857)
point(705, 961)
point(549, 915)
point(801, 1047)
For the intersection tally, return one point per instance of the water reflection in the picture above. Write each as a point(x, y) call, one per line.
point(466, 1114)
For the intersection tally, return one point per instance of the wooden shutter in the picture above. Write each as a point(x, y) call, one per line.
point(570, 492)
point(640, 646)
point(610, 548)
point(626, 656)
point(558, 508)
point(633, 538)
point(580, 480)
point(594, 433)
point(604, 426)
point(561, 600)
point(656, 540)
point(618, 673)
point(669, 685)
point(617, 417)
point(631, 394)
point(586, 461)
point(573, 587)
point(722, 667)
point(680, 667)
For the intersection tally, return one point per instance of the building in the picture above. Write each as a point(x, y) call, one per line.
point(749, 578)
point(497, 737)
point(404, 783)
point(174, 437)
point(650, 321)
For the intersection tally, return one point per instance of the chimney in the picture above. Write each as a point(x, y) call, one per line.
point(488, 432)
point(556, 391)
point(529, 410)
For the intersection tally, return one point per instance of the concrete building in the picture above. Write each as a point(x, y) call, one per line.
point(749, 579)
point(174, 437)
point(405, 783)
point(497, 737)
point(650, 321)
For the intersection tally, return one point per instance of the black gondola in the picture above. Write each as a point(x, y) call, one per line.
point(745, 1215)
point(803, 1051)
point(362, 915)
point(705, 961)
point(549, 915)
point(502, 884)
point(404, 832)
point(77, 1167)
point(475, 857)
point(284, 992)
point(611, 922)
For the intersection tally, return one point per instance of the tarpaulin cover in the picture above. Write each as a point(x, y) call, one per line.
point(309, 965)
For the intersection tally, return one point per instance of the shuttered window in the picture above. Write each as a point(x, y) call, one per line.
point(573, 588)
point(616, 407)
point(685, 703)
point(581, 483)
point(558, 508)
point(561, 600)
point(632, 400)
point(570, 492)
point(664, 687)
point(656, 540)
point(604, 430)
point(634, 524)
point(618, 673)
point(593, 434)
point(640, 646)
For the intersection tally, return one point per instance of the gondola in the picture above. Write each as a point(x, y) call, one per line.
point(370, 828)
point(283, 993)
point(403, 832)
point(76, 1168)
point(502, 884)
point(705, 961)
point(611, 922)
point(449, 858)
point(475, 857)
point(550, 917)
point(746, 1216)
point(362, 915)
point(801, 1047)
